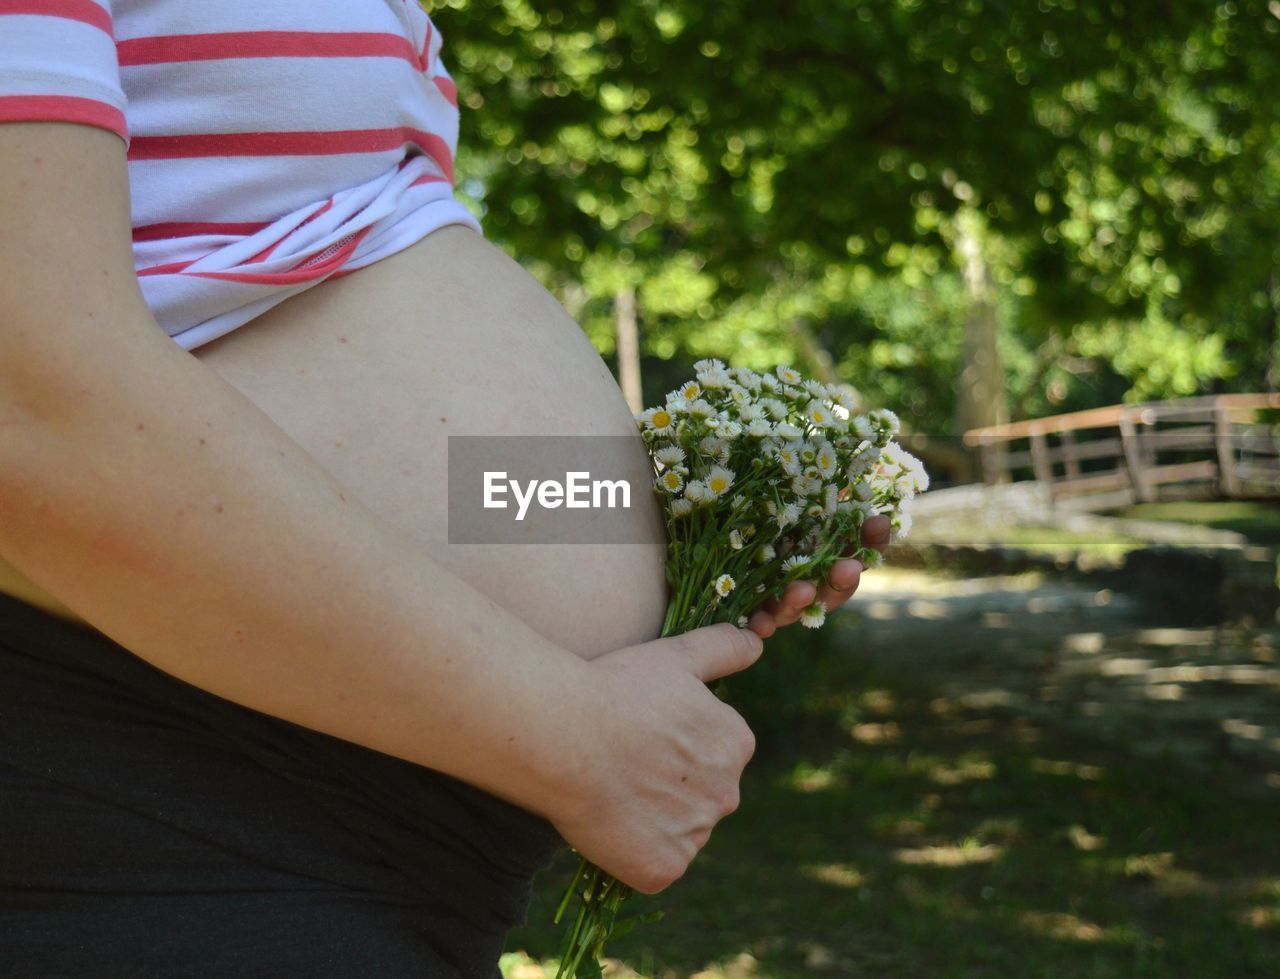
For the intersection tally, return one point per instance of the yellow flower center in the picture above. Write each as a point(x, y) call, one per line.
point(661, 419)
point(719, 485)
point(690, 390)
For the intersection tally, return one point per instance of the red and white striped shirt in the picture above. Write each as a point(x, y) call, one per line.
point(271, 144)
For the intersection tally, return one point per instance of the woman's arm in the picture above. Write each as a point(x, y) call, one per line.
point(163, 507)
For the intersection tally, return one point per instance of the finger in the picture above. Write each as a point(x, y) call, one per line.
point(715, 651)
point(842, 582)
point(762, 624)
point(844, 575)
point(798, 596)
point(875, 533)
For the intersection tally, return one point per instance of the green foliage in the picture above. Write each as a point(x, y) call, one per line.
point(744, 165)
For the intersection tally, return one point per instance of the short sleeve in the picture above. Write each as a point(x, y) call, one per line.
point(58, 64)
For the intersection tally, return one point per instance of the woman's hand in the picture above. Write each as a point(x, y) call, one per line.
point(659, 757)
point(842, 582)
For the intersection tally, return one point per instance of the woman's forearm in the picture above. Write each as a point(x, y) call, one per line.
point(162, 506)
point(167, 510)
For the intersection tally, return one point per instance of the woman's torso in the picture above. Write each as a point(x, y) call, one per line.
point(370, 374)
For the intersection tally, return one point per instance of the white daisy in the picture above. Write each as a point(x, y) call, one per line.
point(813, 616)
point(719, 479)
point(759, 428)
point(788, 376)
point(789, 458)
point(830, 498)
point(690, 390)
point(776, 408)
point(735, 540)
point(884, 418)
point(900, 525)
point(795, 561)
point(819, 414)
point(701, 409)
point(806, 486)
point(658, 420)
point(680, 507)
point(698, 492)
point(825, 459)
point(671, 481)
point(714, 379)
point(862, 463)
point(724, 585)
point(844, 399)
point(708, 365)
point(670, 455)
point(788, 431)
point(711, 445)
point(789, 515)
point(915, 470)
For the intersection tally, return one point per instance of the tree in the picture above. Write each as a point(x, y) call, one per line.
point(759, 159)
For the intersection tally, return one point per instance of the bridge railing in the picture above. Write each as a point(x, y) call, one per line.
point(1212, 446)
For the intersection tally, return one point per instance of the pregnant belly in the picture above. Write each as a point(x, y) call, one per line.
point(370, 373)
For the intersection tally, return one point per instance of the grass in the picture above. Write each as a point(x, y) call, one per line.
point(1058, 541)
point(1045, 540)
point(1258, 521)
point(887, 831)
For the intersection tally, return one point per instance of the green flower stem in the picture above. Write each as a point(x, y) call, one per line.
point(699, 550)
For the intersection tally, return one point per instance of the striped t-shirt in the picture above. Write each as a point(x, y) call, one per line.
point(272, 144)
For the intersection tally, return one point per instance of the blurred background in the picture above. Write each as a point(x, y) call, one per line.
point(1044, 740)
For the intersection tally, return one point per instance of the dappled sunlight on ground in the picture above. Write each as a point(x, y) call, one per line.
point(1009, 776)
point(1083, 656)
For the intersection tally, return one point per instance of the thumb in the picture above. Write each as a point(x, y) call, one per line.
point(715, 651)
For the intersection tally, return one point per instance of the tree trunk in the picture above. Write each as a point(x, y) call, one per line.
point(981, 397)
point(1272, 376)
point(818, 358)
point(628, 336)
point(937, 455)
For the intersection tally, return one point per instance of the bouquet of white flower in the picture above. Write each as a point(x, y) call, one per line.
point(765, 479)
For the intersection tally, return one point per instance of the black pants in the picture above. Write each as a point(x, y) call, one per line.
point(149, 828)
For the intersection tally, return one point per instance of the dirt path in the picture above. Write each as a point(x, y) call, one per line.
point(1092, 661)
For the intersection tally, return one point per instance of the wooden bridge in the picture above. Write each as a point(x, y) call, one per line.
point(1191, 448)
